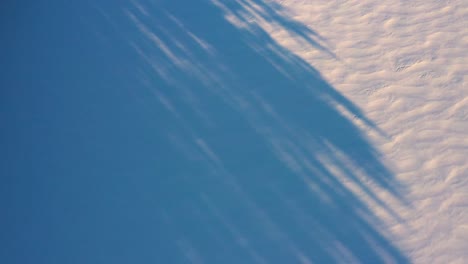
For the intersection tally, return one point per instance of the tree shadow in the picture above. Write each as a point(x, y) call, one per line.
point(269, 153)
point(268, 150)
point(237, 150)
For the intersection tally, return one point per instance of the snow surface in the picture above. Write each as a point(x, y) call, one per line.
point(404, 63)
point(235, 131)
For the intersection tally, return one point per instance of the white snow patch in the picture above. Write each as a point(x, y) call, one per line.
point(404, 63)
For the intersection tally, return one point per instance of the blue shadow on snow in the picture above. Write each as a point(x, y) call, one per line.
point(161, 132)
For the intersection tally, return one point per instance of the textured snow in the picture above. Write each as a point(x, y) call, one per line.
point(404, 63)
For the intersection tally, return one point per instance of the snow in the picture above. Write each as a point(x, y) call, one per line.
point(404, 63)
point(236, 131)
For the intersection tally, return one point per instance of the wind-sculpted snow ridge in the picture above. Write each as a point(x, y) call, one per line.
point(259, 159)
